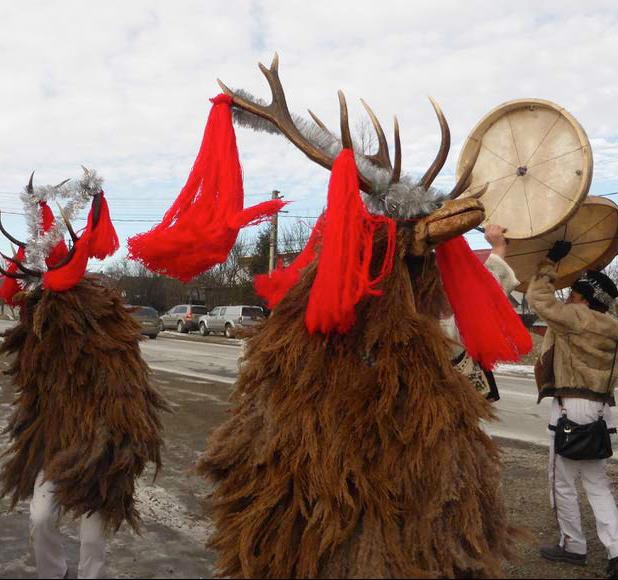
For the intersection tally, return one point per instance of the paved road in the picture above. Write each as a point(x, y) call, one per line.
point(520, 417)
point(200, 360)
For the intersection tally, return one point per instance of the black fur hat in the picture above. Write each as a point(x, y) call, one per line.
point(598, 289)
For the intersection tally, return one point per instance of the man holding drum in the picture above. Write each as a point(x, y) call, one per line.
point(576, 368)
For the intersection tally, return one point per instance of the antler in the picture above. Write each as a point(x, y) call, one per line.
point(67, 223)
point(278, 113)
point(462, 182)
point(13, 275)
point(30, 186)
point(21, 267)
point(445, 145)
point(9, 236)
point(96, 214)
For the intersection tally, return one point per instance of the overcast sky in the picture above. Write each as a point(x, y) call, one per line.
point(123, 87)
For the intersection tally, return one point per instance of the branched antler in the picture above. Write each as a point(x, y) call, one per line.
point(278, 113)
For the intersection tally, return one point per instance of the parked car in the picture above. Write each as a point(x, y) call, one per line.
point(183, 317)
point(148, 318)
point(228, 319)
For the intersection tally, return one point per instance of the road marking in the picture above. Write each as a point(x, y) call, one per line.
point(236, 346)
point(194, 394)
point(507, 434)
point(204, 376)
point(517, 393)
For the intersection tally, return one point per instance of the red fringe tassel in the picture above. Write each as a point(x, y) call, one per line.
point(343, 277)
point(202, 225)
point(488, 324)
point(273, 287)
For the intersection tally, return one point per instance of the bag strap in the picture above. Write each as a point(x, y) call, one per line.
point(611, 373)
point(609, 386)
point(609, 381)
point(563, 411)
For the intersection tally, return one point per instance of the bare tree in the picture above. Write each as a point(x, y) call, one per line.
point(364, 137)
point(293, 236)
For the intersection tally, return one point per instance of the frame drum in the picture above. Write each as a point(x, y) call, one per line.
point(593, 231)
point(537, 162)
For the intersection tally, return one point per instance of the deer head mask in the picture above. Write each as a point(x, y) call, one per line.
point(201, 227)
point(45, 259)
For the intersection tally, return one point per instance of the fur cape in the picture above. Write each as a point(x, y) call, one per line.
point(357, 456)
point(85, 413)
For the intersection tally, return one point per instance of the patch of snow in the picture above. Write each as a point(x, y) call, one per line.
point(160, 506)
point(508, 369)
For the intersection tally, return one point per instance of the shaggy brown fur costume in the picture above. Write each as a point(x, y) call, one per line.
point(357, 456)
point(85, 412)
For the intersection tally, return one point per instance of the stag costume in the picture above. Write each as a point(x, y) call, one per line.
point(85, 420)
point(354, 448)
point(579, 349)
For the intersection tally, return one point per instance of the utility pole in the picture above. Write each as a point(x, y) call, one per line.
point(274, 232)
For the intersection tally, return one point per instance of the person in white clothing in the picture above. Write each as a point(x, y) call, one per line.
point(576, 368)
point(47, 539)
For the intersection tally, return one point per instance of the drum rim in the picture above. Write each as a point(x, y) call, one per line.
point(509, 106)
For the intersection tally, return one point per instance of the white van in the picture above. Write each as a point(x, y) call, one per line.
point(228, 319)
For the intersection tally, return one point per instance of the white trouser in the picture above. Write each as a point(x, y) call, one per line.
point(47, 539)
point(562, 477)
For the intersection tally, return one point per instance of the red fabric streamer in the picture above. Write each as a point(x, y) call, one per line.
point(60, 250)
point(104, 239)
point(343, 277)
point(273, 287)
point(10, 286)
point(489, 326)
point(202, 225)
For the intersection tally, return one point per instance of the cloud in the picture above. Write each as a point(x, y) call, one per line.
point(124, 86)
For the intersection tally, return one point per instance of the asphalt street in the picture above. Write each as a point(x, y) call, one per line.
point(519, 415)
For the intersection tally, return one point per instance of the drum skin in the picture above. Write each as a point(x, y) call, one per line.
point(537, 162)
point(593, 231)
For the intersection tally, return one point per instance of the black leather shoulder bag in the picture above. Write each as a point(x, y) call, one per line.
point(584, 442)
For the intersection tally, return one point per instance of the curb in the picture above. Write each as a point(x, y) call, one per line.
point(198, 338)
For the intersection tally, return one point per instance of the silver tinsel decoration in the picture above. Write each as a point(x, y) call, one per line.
point(75, 197)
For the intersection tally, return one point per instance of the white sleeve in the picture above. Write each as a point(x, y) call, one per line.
point(502, 272)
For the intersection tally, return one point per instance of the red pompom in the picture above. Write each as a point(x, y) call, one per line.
point(273, 287)
point(202, 225)
point(104, 239)
point(67, 276)
point(488, 324)
point(343, 277)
